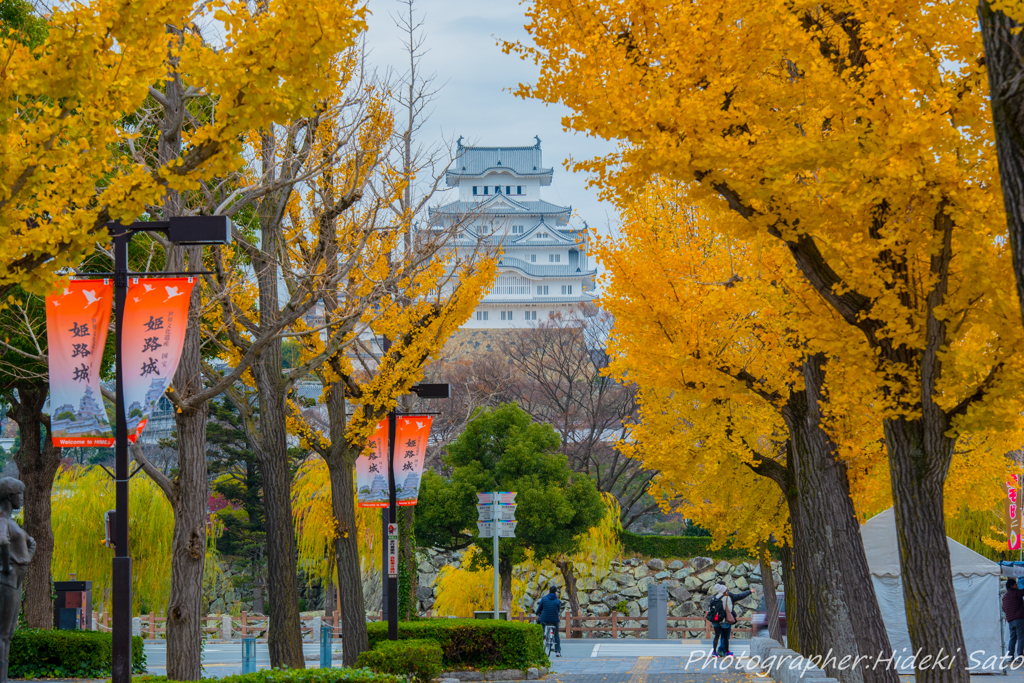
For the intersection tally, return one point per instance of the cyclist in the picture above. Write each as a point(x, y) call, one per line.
point(548, 610)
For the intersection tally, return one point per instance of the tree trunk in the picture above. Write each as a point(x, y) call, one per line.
point(188, 494)
point(354, 639)
point(407, 560)
point(565, 566)
point(792, 596)
point(1003, 50)
point(505, 579)
point(329, 599)
point(285, 638)
point(257, 596)
point(188, 546)
point(771, 600)
point(38, 462)
point(919, 457)
point(843, 613)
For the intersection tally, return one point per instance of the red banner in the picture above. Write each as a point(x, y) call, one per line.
point(77, 320)
point(152, 336)
point(1012, 512)
point(410, 449)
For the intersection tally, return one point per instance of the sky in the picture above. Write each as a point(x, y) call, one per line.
point(475, 99)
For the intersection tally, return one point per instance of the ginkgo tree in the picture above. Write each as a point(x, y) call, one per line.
point(857, 137)
point(737, 407)
point(68, 103)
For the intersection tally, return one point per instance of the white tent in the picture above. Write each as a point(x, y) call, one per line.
point(975, 580)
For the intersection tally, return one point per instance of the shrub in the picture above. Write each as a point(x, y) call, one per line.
point(682, 547)
point(420, 659)
point(59, 654)
point(474, 643)
point(293, 676)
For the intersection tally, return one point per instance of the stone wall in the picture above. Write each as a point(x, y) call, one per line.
point(625, 584)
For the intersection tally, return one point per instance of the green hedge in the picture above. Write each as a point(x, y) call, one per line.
point(420, 659)
point(681, 547)
point(57, 654)
point(293, 676)
point(474, 643)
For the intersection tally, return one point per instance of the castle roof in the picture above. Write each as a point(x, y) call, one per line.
point(501, 205)
point(511, 263)
point(476, 162)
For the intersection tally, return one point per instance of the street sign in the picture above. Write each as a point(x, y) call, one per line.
point(392, 550)
point(504, 498)
point(506, 512)
point(506, 529)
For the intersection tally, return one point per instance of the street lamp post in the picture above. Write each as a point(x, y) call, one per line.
point(183, 230)
point(390, 592)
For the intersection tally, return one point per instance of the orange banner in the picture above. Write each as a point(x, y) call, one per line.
point(1012, 512)
point(77, 320)
point(152, 336)
point(410, 450)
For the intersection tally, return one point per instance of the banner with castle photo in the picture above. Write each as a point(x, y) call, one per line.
point(77, 320)
point(152, 336)
point(411, 436)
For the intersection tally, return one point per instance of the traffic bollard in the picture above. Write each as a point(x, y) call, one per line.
point(248, 655)
point(326, 634)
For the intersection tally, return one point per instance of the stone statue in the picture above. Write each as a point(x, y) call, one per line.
point(16, 551)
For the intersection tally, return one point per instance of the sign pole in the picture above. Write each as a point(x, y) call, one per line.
point(497, 579)
point(121, 591)
point(393, 520)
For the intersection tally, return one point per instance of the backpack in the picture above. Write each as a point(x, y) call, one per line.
point(716, 611)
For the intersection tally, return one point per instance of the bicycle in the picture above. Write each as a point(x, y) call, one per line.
point(549, 638)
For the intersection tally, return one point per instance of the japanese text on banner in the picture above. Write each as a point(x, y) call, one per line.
point(153, 334)
point(77, 319)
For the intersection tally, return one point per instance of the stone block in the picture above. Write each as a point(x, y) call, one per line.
point(583, 598)
point(641, 571)
point(609, 585)
point(596, 596)
point(633, 608)
point(586, 584)
point(729, 582)
point(683, 573)
point(740, 570)
point(692, 583)
point(700, 563)
point(760, 646)
point(656, 564)
point(708, 575)
point(662, 575)
point(426, 568)
point(645, 583)
point(600, 610)
point(670, 584)
point(630, 592)
point(679, 594)
point(675, 565)
point(624, 579)
point(643, 604)
point(612, 599)
point(723, 567)
point(532, 674)
point(741, 583)
point(424, 592)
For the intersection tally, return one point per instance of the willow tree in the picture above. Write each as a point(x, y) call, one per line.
point(857, 137)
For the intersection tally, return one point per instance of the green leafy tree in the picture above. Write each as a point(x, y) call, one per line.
point(502, 449)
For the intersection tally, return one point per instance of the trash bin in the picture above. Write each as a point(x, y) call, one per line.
point(72, 610)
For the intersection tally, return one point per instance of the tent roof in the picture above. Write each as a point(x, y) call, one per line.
point(879, 535)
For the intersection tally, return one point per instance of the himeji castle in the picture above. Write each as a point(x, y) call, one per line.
point(543, 266)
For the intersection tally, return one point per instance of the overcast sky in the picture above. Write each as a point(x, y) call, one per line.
point(475, 99)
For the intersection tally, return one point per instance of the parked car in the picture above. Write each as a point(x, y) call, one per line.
point(759, 619)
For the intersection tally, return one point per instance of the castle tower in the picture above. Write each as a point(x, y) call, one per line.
point(544, 267)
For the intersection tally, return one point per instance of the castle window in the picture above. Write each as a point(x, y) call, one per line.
point(566, 289)
point(474, 189)
point(531, 315)
point(508, 189)
point(481, 315)
point(554, 258)
point(497, 189)
point(542, 290)
point(517, 229)
point(486, 188)
point(519, 189)
point(533, 258)
point(542, 235)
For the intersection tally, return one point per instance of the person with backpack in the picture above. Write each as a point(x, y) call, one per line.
point(722, 617)
point(548, 610)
